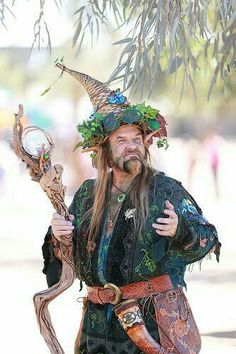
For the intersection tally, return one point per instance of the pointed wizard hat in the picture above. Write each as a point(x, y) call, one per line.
point(111, 111)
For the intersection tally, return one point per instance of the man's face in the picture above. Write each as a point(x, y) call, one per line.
point(127, 149)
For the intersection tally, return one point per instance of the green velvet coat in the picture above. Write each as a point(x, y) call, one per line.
point(132, 258)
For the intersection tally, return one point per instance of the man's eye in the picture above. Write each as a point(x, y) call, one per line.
point(120, 140)
point(137, 140)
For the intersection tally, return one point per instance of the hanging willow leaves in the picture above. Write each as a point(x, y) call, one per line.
point(159, 37)
point(174, 64)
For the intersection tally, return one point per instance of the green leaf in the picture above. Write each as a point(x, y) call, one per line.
point(79, 10)
point(125, 40)
point(173, 31)
point(99, 116)
point(77, 33)
point(78, 145)
point(153, 124)
point(174, 65)
point(163, 143)
point(98, 131)
point(141, 107)
point(151, 112)
point(45, 91)
point(93, 155)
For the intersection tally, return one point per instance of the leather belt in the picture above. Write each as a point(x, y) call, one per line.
point(112, 294)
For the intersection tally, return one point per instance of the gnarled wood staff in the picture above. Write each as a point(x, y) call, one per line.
point(49, 178)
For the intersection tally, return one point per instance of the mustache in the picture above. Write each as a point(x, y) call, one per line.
point(131, 152)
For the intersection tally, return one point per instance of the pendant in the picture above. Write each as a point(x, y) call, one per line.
point(121, 197)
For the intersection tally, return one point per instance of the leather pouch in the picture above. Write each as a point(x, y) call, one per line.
point(177, 328)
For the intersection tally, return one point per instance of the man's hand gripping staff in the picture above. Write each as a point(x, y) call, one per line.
point(49, 178)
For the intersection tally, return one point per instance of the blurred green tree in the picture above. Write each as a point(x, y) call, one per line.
point(158, 37)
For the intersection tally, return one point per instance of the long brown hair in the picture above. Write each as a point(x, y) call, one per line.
point(138, 192)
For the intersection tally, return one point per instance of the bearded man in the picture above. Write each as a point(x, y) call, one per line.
point(135, 230)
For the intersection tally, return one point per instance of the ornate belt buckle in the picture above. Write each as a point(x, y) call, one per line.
point(117, 292)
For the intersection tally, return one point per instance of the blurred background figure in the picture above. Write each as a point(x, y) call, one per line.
point(212, 146)
point(193, 148)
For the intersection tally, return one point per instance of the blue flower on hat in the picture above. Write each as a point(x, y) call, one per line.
point(117, 97)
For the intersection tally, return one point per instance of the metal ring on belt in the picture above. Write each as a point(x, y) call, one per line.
point(112, 294)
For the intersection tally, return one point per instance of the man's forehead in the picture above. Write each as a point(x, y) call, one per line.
point(122, 134)
point(126, 130)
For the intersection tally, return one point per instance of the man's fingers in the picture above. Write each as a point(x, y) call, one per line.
point(60, 226)
point(169, 205)
point(62, 233)
point(171, 213)
point(166, 220)
point(63, 227)
point(162, 227)
point(58, 222)
point(57, 216)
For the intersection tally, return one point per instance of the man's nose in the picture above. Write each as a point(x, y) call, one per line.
point(131, 146)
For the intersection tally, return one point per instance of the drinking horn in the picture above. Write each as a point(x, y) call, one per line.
point(130, 318)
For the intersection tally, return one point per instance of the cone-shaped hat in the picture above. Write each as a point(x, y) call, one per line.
point(111, 111)
point(98, 92)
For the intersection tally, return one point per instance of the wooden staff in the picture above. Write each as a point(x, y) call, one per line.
point(49, 178)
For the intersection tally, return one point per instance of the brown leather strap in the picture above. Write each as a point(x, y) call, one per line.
point(110, 293)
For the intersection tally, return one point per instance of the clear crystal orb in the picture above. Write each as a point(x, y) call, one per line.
point(34, 141)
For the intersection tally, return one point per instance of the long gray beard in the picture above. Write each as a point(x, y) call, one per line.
point(132, 166)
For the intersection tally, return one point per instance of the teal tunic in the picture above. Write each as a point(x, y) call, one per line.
point(102, 257)
point(131, 258)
